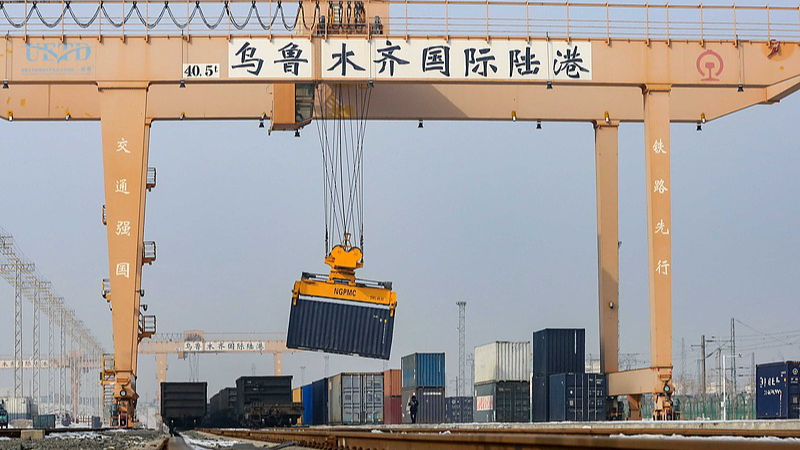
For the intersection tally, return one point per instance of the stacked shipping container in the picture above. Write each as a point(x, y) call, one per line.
point(423, 375)
point(458, 410)
point(577, 397)
point(392, 397)
point(355, 398)
point(502, 386)
point(561, 389)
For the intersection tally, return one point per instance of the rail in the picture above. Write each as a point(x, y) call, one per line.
point(407, 18)
point(581, 436)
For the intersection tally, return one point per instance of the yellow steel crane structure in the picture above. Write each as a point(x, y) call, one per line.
point(601, 64)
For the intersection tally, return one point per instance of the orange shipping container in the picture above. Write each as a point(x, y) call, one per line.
point(392, 383)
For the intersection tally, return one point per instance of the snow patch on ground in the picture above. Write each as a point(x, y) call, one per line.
point(754, 440)
point(205, 444)
point(76, 435)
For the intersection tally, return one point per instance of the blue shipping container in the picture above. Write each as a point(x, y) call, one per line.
point(423, 370)
point(577, 397)
point(559, 350)
point(778, 390)
point(308, 404)
point(320, 406)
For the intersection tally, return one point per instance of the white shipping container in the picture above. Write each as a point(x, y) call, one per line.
point(17, 407)
point(502, 361)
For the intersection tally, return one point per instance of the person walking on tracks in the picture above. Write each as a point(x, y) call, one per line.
point(413, 405)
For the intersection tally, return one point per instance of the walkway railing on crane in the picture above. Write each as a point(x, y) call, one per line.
point(408, 18)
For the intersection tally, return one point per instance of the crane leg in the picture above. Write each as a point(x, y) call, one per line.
point(125, 150)
point(277, 359)
point(659, 223)
point(606, 162)
point(635, 406)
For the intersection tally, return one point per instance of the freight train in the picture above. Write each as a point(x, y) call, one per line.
point(255, 402)
point(183, 405)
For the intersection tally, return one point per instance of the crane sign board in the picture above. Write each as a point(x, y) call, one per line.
point(410, 59)
point(224, 346)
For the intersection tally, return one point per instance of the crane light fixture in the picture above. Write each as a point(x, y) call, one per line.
point(538, 124)
point(5, 84)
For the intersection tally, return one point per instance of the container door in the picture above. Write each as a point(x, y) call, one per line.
point(351, 399)
point(372, 398)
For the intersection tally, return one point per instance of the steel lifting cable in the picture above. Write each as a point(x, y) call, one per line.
point(299, 19)
point(341, 127)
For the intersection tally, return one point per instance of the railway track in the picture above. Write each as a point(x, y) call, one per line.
point(566, 437)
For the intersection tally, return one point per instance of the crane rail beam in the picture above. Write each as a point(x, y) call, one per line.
point(610, 21)
point(402, 438)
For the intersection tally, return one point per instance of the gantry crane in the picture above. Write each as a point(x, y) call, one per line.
point(421, 60)
point(78, 363)
point(199, 342)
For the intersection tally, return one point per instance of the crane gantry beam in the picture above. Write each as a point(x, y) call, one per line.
point(427, 64)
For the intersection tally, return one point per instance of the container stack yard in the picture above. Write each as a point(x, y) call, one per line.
point(392, 396)
point(555, 351)
point(424, 378)
point(502, 382)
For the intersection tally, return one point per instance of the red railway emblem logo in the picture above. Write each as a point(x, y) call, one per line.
point(709, 64)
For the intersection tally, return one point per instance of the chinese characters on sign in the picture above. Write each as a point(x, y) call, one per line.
point(122, 186)
point(122, 146)
point(661, 228)
point(123, 270)
point(410, 59)
point(224, 346)
point(264, 58)
point(658, 147)
point(123, 228)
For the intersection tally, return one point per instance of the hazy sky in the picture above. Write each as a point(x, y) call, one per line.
point(496, 214)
